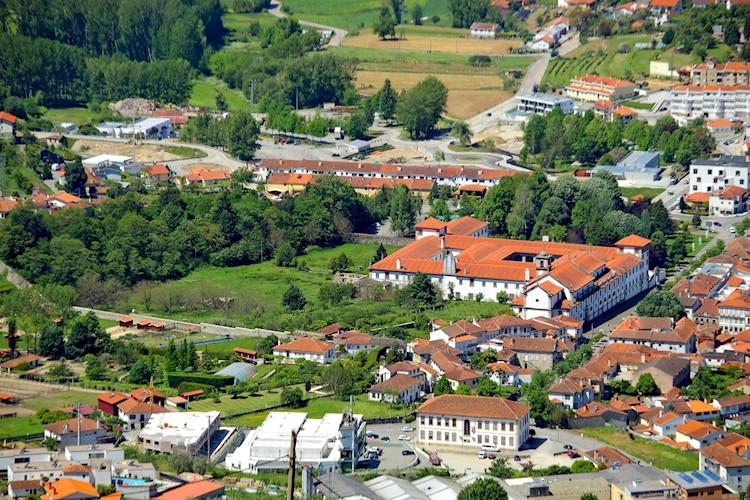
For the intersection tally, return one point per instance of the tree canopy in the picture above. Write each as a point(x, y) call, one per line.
point(483, 489)
point(660, 303)
point(420, 107)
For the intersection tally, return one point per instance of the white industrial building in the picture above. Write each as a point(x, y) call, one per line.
point(149, 128)
point(179, 431)
point(709, 175)
point(541, 104)
point(104, 160)
point(334, 442)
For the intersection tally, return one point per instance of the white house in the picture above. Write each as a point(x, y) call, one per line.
point(135, 414)
point(572, 395)
point(454, 420)
point(484, 30)
point(188, 432)
point(7, 125)
point(75, 431)
point(84, 454)
point(728, 458)
point(399, 388)
point(667, 423)
point(22, 456)
point(697, 434)
point(307, 348)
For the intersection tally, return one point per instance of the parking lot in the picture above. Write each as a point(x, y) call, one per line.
point(392, 457)
point(541, 451)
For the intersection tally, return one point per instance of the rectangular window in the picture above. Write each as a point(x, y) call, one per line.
point(439, 435)
point(430, 420)
point(454, 422)
point(510, 441)
point(502, 441)
point(510, 427)
point(422, 419)
point(429, 436)
point(502, 427)
point(479, 424)
point(421, 434)
point(494, 426)
point(453, 436)
point(439, 421)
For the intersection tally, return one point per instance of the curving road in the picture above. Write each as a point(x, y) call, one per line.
point(338, 33)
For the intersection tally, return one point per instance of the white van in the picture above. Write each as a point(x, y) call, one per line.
point(481, 455)
point(490, 448)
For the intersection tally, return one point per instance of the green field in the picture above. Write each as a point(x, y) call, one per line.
point(659, 455)
point(15, 427)
point(10, 182)
point(602, 57)
point(316, 408)
point(79, 116)
point(204, 92)
point(646, 192)
point(359, 14)
point(239, 23)
point(60, 400)
point(639, 105)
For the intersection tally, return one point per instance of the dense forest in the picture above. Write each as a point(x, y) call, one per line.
point(74, 53)
point(136, 237)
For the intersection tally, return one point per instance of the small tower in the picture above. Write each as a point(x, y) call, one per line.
point(542, 263)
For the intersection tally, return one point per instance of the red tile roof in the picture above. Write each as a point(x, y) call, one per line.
point(113, 398)
point(397, 383)
point(670, 4)
point(7, 117)
point(157, 169)
point(473, 406)
point(69, 488)
point(71, 426)
point(196, 489)
point(306, 344)
point(431, 223)
point(633, 241)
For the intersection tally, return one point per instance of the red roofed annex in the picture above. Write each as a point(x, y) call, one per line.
point(544, 278)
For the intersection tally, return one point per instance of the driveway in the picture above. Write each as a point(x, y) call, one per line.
point(338, 33)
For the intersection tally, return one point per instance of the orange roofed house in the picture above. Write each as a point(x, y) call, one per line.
point(594, 87)
point(544, 279)
point(472, 421)
point(318, 351)
point(202, 175)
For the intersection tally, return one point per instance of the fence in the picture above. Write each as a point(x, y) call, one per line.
point(376, 238)
point(13, 277)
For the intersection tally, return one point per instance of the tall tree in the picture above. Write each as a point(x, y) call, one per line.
point(443, 386)
point(398, 10)
point(386, 24)
point(465, 12)
point(52, 342)
point(647, 385)
point(293, 298)
point(660, 303)
point(403, 212)
point(12, 338)
point(483, 489)
point(416, 15)
point(75, 178)
point(388, 100)
point(461, 131)
point(420, 107)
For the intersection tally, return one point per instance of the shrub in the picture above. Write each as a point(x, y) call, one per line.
point(175, 379)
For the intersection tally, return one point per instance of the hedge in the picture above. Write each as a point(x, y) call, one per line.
point(175, 379)
point(193, 386)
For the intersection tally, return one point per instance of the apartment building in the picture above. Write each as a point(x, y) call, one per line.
point(541, 104)
point(711, 73)
point(689, 102)
point(594, 87)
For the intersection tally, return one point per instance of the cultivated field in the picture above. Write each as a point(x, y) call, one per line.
point(468, 46)
point(204, 92)
point(359, 14)
point(468, 94)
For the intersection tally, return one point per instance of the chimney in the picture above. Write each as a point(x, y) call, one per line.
point(527, 275)
point(609, 362)
point(398, 263)
point(643, 358)
point(442, 242)
point(320, 163)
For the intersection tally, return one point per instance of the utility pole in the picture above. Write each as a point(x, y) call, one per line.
point(290, 479)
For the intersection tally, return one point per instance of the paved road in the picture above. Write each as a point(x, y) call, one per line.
point(533, 76)
point(570, 45)
point(338, 33)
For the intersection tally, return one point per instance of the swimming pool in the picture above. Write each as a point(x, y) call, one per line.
point(131, 481)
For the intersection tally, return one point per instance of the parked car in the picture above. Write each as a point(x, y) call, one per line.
point(733, 230)
point(371, 435)
point(482, 455)
point(406, 428)
point(404, 437)
point(567, 447)
point(517, 458)
point(385, 438)
point(407, 452)
point(573, 454)
point(491, 456)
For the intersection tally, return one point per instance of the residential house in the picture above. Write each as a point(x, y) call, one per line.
point(570, 394)
point(85, 454)
point(201, 175)
point(108, 402)
point(734, 312)
point(463, 226)
point(599, 413)
point(697, 434)
point(679, 339)
point(741, 385)
point(22, 489)
point(23, 455)
point(6, 205)
point(503, 373)
point(667, 372)
point(157, 172)
point(728, 458)
point(399, 388)
point(537, 353)
point(246, 355)
point(669, 7)
point(318, 351)
point(134, 414)
point(196, 490)
point(484, 30)
point(713, 73)
point(12, 364)
point(75, 431)
point(722, 126)
point(186, 432)
point(71, 489)
point(354, 341)
point(422, 350)
point(149, 395)
point(7, 125)
point(583, 4)
point(454, 420)
point(462, 375)
point(731, 406)
point(689, 102)
point(541, 104)
point(730, 200)
point(665, 424)
point(594, 87)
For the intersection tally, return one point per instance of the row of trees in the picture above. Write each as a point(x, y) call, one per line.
point(238, 133)
point(140, 30)
point(64, 74)
point(589, 140)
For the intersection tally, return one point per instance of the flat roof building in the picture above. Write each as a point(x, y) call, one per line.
point(180, 431)
point(541, 104)
point(335, 441)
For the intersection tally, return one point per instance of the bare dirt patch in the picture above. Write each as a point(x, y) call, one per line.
point(467, 94)
point(504, 137)
point(143, 152)
point(435, 44)
point(411, 155)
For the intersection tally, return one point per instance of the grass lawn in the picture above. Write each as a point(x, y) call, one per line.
point(108, 323)
point(229, 406)
point(647, 192)
point(20, 426)
point(659, 455)
point(359, 14)
point(60, 400)
point(639, 105)
point(10, 181)
point(238, 24)
point(316, 408)
point(185, 152)
point(204, 91)
point(79, 116)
